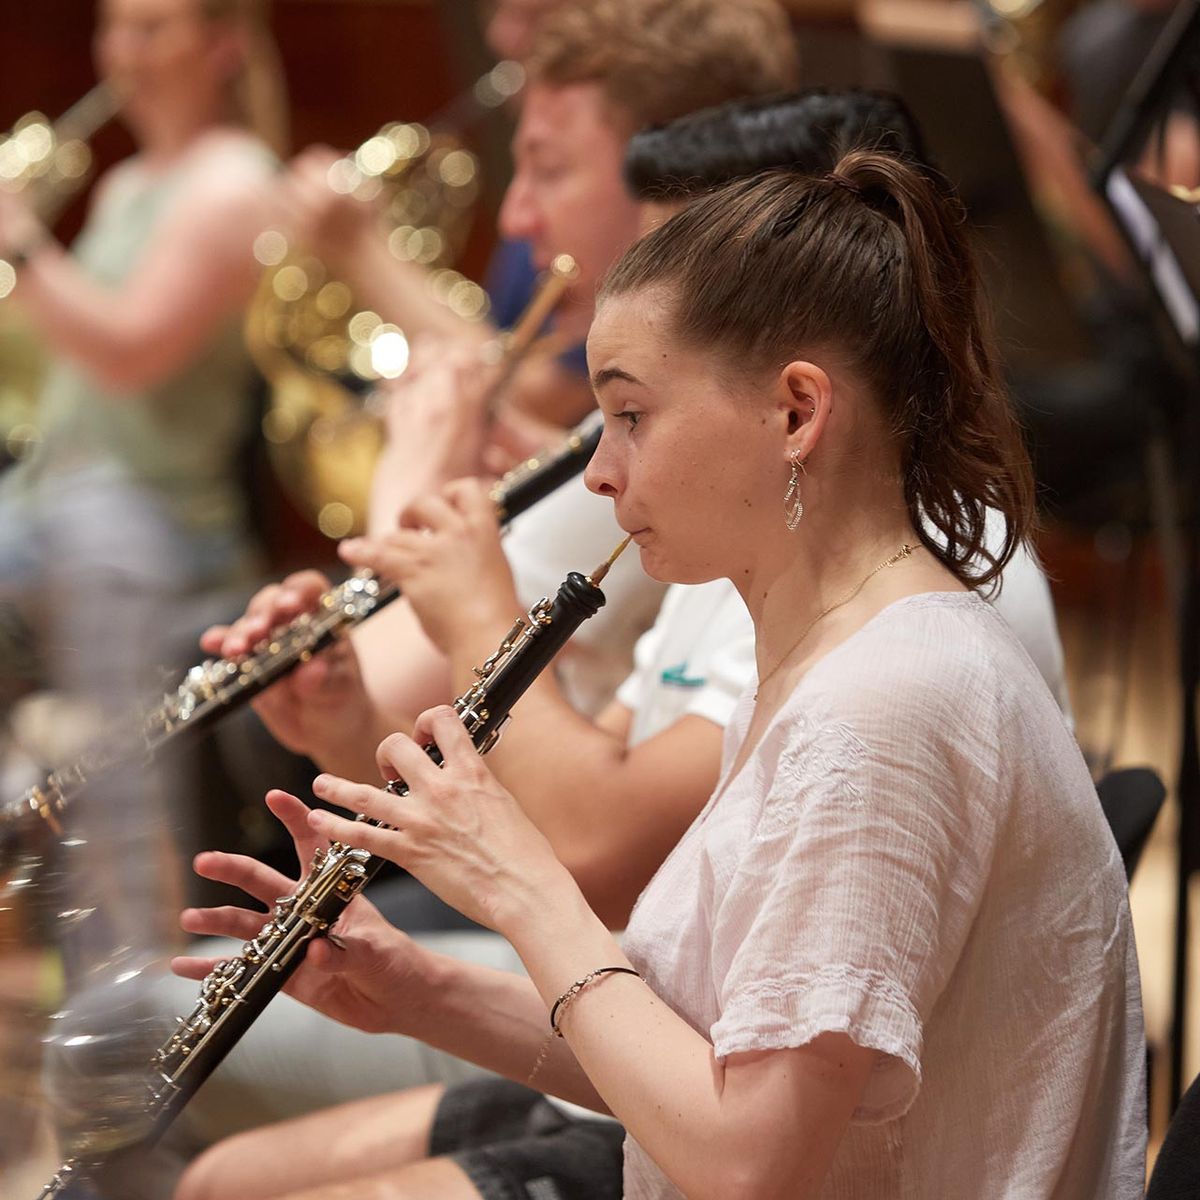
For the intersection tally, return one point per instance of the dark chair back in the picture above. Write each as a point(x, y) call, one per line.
point(1131, 798)
point(1177, 1171)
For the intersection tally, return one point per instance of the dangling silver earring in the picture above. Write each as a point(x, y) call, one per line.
point(793, 506)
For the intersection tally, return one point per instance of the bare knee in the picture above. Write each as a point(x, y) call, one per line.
point(361, 1138)
point(432, 1179)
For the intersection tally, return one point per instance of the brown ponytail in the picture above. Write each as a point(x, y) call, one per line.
point(871, 260)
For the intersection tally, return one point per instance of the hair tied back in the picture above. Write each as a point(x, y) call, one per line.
point(845, 184)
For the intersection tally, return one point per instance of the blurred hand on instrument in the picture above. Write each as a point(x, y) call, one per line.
point(457, 830)
point(439, 407)
point(448, 561)
point(318, 216)
point(360, 982)
point(321, 708)
point(20, 229)
point(514, 436)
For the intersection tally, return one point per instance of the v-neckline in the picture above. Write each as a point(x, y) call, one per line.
point(744, 752)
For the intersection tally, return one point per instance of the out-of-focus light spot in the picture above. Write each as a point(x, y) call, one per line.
point(335, 519)
point(290, 283)
point(389, 352)
point(362, 326)
point(270, 248)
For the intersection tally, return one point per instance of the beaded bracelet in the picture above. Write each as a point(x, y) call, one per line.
point(565, 999)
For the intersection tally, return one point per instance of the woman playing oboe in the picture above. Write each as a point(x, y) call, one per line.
point(892, 956)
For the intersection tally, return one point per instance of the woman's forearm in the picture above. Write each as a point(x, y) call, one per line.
point(193, 273)
point(497, 1020)
point(764, 1130)
point(78, 318)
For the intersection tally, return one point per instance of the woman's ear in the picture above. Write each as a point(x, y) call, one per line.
point(804, 399)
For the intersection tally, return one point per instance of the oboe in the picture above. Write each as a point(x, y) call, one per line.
point(216, 687)
point(238, 989)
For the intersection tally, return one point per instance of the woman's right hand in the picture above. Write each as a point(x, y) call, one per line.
point(364, 980)
point(320, 218)
point(321, 707)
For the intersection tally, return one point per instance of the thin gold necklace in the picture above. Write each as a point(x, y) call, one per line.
point(900, 554)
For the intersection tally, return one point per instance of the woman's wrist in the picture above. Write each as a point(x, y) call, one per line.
point(543, 907)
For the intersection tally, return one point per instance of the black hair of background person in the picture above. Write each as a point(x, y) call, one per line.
point(807, 130)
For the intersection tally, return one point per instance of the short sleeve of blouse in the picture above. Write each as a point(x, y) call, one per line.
point(850, 905)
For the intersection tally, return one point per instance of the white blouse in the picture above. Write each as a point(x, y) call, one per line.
point(914, 855)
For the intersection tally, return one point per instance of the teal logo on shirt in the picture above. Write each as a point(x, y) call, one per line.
point(676, 677)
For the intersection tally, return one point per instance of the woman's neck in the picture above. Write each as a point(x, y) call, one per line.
point(811, 589)
point(163, 138)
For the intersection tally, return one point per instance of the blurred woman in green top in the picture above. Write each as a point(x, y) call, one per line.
point(131, 499)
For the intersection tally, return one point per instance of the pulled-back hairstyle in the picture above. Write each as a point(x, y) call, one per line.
point(258, 94)
point(806, 131)
point(657, 59)
point(869, 261)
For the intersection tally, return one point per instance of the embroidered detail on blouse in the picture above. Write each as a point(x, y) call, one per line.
point(851, 980)
point(827, 754)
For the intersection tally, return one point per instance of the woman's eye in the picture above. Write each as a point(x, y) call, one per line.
point(632, 417)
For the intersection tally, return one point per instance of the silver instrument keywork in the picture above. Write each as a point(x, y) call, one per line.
point(238, 989)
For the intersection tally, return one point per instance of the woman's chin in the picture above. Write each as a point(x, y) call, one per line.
point(667, 570)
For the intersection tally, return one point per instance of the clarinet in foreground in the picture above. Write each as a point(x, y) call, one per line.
point(216, 687)
point(238, 989)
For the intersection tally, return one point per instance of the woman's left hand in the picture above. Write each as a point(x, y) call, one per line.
point(457, 830)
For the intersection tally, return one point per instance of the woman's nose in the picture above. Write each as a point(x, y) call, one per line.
point(601, 475)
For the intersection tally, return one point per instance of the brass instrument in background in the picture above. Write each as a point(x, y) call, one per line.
point(1025, 33)
point(49, 162)
point(320, 351)
point(52, 161)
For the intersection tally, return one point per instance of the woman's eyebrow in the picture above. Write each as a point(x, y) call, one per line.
point(607, 374)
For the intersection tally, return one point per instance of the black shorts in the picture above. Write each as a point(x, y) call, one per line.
point(514, 1144)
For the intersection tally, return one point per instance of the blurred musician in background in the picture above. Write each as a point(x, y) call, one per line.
point(598, 72)
point(132, 499)
point(131, 506)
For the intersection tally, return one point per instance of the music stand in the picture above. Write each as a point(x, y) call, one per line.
point(1163, 230)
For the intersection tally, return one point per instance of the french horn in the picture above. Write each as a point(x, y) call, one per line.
point(320, 351)
point(49, 161)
